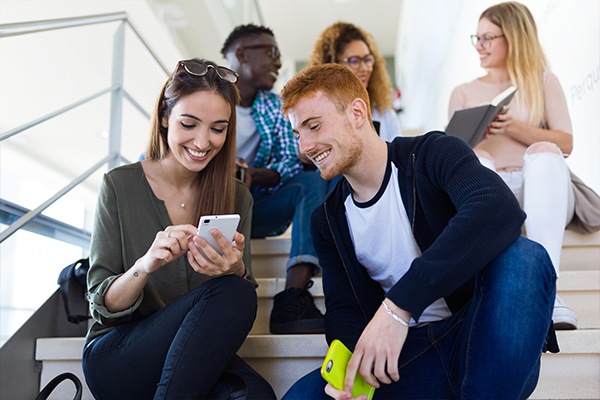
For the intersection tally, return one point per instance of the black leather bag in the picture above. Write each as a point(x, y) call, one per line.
point(74, 274)
point(54, 383)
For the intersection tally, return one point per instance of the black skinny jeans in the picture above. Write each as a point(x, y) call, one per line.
point(187, 350)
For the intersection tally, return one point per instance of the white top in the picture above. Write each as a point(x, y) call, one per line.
point(389, 124)
point(384, 243)
point(247, 136)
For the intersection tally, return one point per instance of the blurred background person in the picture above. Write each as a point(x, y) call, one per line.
point(347, 44)
point(527, 145)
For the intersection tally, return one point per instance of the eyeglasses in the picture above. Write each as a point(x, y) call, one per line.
point(355, 61)
point(199, 68)
point(273, 53)
point(485, 40)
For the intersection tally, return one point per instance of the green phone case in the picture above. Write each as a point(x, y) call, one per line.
point(334, 370)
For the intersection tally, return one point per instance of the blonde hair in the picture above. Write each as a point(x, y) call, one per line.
point(216, 182)
point(332, 42)
point(526, 61)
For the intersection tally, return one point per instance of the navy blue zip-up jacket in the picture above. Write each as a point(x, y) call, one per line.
point(462, 215)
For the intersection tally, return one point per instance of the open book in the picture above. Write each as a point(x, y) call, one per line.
point(470, 124)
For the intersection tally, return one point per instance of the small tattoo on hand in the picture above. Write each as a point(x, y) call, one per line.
point(136, 274)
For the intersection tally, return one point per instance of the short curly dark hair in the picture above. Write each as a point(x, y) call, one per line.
point(242, 31)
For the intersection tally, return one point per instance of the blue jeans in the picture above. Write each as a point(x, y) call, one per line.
point(186, 350)
point(293, 202)
point(490, 349)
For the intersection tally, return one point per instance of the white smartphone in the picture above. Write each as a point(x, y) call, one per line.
point(226, 224)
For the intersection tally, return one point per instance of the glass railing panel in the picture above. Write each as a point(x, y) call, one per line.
point(69, 65)
point(43, 72)
point(46, 158)
point(29, 269)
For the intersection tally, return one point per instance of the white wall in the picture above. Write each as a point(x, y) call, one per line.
point(434, 55)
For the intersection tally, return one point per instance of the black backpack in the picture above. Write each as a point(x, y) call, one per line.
point(76, 274)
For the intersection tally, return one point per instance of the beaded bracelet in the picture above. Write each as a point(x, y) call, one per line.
point(397, 318)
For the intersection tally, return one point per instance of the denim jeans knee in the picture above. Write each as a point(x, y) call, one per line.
point(508, 322)
point(294, 201)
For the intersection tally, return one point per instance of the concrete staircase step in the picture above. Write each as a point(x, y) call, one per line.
point(282, 359)
point(580, 290)
point(580, 253)
point(574, 373)
point(269, 256)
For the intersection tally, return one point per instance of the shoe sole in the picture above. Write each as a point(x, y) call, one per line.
point(564, 319)
point(299, 326)
point(565, 326)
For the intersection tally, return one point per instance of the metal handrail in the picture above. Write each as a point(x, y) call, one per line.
point(23, 28)
point(53, 114)
point(44, 225)
point(114, 157)
point(33, 213)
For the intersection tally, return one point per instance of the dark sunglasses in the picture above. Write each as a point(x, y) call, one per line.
point(273, 53)
point(199, 68)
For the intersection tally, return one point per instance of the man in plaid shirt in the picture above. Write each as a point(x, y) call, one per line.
point(269, 164)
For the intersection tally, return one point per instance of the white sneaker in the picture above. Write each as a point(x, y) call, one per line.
point(564, 318)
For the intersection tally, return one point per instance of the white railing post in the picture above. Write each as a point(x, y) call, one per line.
point(116, 100)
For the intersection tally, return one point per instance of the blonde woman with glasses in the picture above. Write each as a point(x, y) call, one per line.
point(527, 145)
point(347, 44)
point(168, 320)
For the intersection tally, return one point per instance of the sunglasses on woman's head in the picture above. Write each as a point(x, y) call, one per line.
point(199, 68)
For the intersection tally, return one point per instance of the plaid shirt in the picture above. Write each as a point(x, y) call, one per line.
point(278, 146)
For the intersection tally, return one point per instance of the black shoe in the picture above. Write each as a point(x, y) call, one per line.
point(294, 311)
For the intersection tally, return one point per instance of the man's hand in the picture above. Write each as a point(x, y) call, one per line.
point(241, 167)
point(379, 346)
point(342, 394)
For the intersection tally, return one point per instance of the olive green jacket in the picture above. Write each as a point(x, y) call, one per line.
point(128, 216)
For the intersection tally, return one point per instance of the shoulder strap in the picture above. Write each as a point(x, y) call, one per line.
point(47, 390)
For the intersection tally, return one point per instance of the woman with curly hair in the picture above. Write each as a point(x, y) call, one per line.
point(347, 44)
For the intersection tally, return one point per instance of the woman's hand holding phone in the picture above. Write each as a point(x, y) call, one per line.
point(215, 264)
point(219, 248)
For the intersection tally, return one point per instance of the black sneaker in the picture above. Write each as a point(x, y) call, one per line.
point(294, 311)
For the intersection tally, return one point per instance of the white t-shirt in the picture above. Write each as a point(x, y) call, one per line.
point(383, 241)
point(247, 136)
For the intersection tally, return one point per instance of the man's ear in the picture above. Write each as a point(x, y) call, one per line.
point(358, 109)
point(240, 54)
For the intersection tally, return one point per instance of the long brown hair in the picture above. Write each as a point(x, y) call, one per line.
point(526, 61)
point(216, 182)
point(332, 42)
